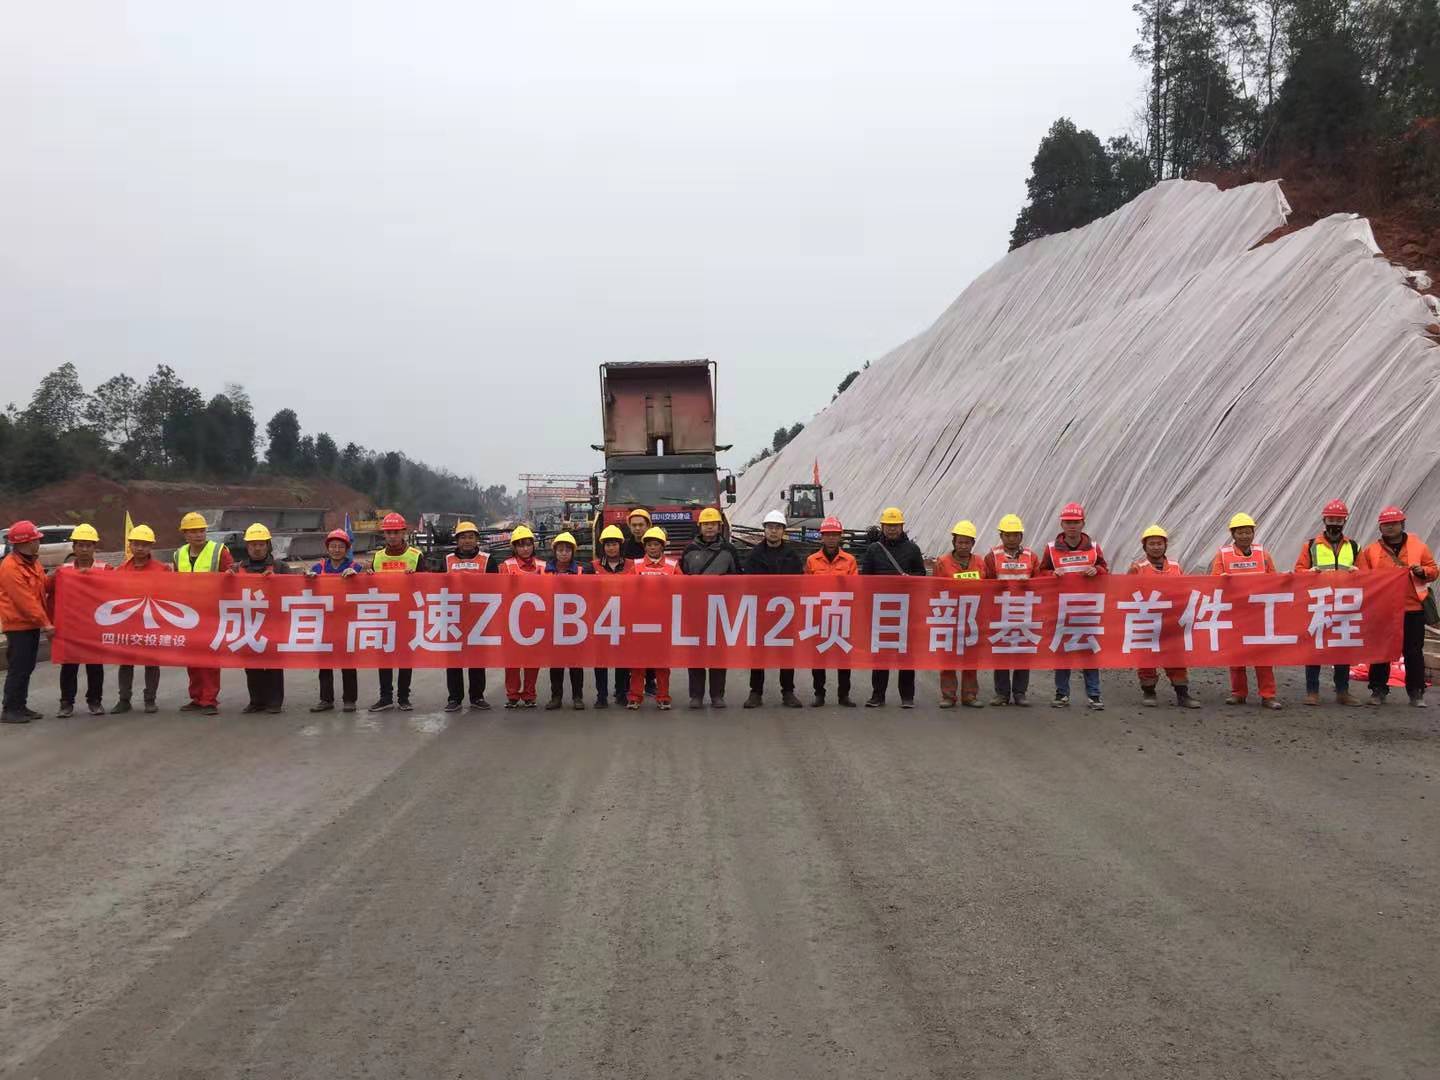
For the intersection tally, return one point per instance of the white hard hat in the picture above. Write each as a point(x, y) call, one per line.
point(774, 517)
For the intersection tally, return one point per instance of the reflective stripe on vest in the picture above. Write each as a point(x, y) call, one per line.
point(1066, 561)
point(1017, 567)
point(1145, 566)
point(207, 560)
point(478, 562)
point(1322, 555)
point(1232, 562)
point(513, 565)
point(385, 563)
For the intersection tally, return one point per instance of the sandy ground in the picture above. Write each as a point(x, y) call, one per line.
point(769, 893)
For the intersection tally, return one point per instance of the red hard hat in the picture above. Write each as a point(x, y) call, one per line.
point(1072, 512)
point(22, 532)
point(338, 534)
point(831, 524)
point(1336, 508)
point(1389, 514)
point(392, 521)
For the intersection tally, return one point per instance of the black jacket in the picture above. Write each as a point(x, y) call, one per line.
point(632, 548)
point(248, 565)
point(905, 552)
point(717, 557)
point(764, 559)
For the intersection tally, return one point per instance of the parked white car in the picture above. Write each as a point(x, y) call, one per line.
point(54, 544)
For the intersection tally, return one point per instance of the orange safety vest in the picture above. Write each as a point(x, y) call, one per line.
point(479, 562)
point(1232, 562)
point(664, 568)
point(948, 566)
point(513, 565)
point(1145, 566)
point(1065, 561)
point(627, 566)
point(1018, 567)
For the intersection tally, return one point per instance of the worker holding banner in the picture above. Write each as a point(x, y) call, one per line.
point(200, 555)
point(467, 558)
point(1331, 552)
point(830, 561)
point(708, 553)
point(654, 564)
point(611, 562)
point(1243, 556)
point(396, 557)
point(961, 563)
point(1011, 561)
point(774, 555)
point(1397, 548)
point(520, 682)
point(1156, 542)
point(140, 541)
point(563, 561)
point(1074, 553)
point(893, 553)
point(338, 562)
point(83, 542)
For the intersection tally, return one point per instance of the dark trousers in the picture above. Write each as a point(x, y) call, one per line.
point(817, 680)
point(125, 681)
point(70, 682)
point(577, 682)
point(757, 680)
point(22, 649)
point(1414, 652)
point(1008, 683)
point(602, 683)
point(387, 684)
point(455, 683)
point(880, 682)
point(716, 677)
point(349, 685)
point(1342, 678)
point(266, 686)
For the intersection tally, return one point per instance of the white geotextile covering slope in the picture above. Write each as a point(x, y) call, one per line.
point(1156, 368)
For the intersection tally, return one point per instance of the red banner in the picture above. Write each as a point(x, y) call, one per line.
point(496, 620)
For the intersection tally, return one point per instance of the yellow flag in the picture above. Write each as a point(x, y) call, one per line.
point(128, 527)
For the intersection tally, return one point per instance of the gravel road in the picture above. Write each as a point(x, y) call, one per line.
point(769, 893)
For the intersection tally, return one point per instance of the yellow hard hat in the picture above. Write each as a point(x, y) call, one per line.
point(964, 528)
point(257, 532)
point(612, 532)
point(1240, 521)
point(564, 538)
point(142, 532)
point(84, 532)
point(1154, 530)
point(467, 526)
point(655, 533)
point(1011, 523)
point(521, 532)
point(892, 515)
point(639, 511)
point(710, 514)
point(193, 520)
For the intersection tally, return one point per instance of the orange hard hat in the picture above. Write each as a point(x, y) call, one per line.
point(1387, 516)
point(1335, 508)
point(831, 525)
point(22, 532)
point(392, 521)
point(1072, 512)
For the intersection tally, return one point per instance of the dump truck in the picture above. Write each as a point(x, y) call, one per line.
point(660, 450)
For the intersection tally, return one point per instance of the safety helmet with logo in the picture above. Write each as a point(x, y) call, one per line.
point(22, 532)
point(193, 520)
point(774, 517)
point(612, 532)
point(639, 511)
point(831, 525)
point(1072, 512)
point(1154, 531)
point(1011, 523)
point(85, 532)
point(1242, 521)
point(964, 528)
point(142, 532)
point(392, 522)
point(1335, 508)
point(1392, 514)
point(710, 513)
point(521, 532)
point(338, 534)
point(564, 538)
point(257, 532)
point(655, 533)
point(892, 515)
point(467, 526)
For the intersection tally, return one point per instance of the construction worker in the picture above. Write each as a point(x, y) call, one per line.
point(831, 561)
point(337, 562)
point(1074, 553)
point(198, 555)
point(563, 561)
point(612, 539)
point(83, 542)
point(24, 617)
point(396, 557)
point(893, 553)
point(1396, 547)
point(1243, 556)
point(774, 556)
point(709, 553)
point(1330, 552)
point(266, 685)
point(520, 682)
point(467, 558)
point(639, 522)
point(961, 563)
point(1011, 561)
point(141, 561)
point(654, 564)
point(1156, 542)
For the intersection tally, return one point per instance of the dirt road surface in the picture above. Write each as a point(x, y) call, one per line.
point(768, 893)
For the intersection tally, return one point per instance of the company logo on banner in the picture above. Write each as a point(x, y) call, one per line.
point(454, 620)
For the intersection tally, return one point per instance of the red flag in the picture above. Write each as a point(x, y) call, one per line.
point(817, 472)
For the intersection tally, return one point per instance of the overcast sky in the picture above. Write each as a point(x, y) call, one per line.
point(424, 225)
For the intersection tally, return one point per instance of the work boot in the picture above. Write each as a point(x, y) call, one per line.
point(818, 701)
point(875, 702)
point(274, 710)
point(1417, 701)
point(252, 708)
point(697, 703)
point(205, 710)
point(1343, 697)
point(323, 706)
point(907, 703)
point(577, 704)
point(121, 706)
point(383, 705)
point(8, 717)
point(1183, 698)
point(717, 702)
point(556, 702)
point(453, 705)
point(151, 707)
point(1019, 701)
point(1147, 697)
point(1271, 704)
point(67, 708)
point(1062, 701)
point(753, 701)
point(789, 700)
point(603, 702)
point(191, 706)
point(999, 700)
point(349, 706)
point(845, 701)
point(96, 709)
point(947, 703)
point(1377, 697)
point(1312, 699)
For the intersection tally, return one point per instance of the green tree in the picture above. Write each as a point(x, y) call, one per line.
point(845, 384)
point(1074, 179)
point(283, 432)
point(327, 454)
point(112, 408)
point(58, 402)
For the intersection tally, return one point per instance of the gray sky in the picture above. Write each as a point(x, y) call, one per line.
point(422, 226)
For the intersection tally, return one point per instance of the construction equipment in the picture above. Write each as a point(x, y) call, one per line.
point(805, 504)
point(659, 425)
